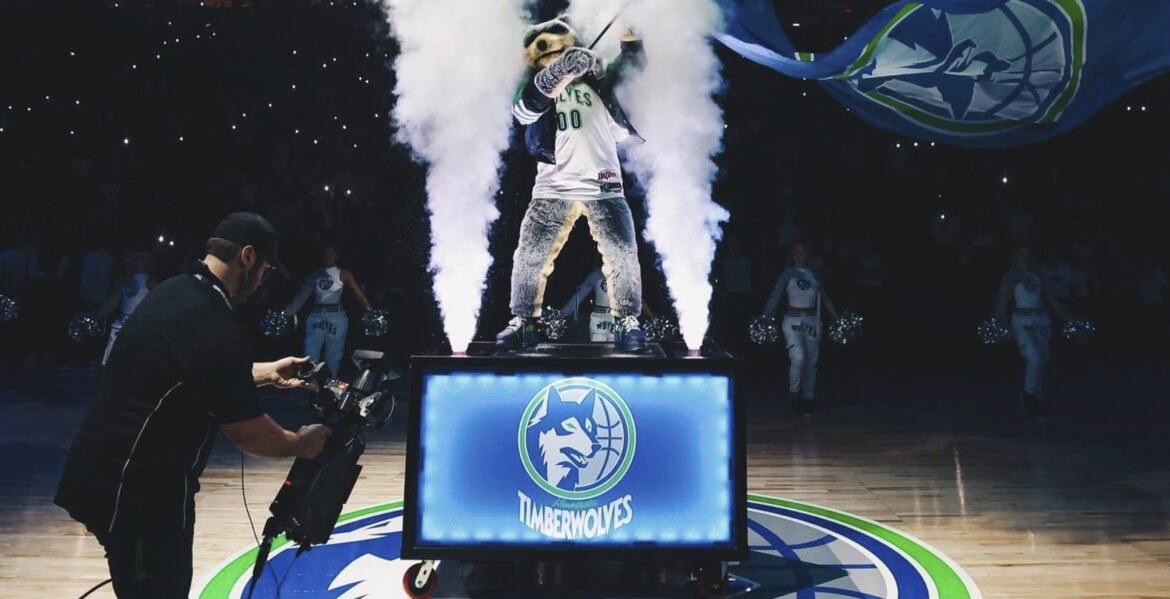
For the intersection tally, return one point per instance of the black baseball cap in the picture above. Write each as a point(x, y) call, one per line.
point(248, 228)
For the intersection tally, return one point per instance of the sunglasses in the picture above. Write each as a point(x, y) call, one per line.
point(553, 29)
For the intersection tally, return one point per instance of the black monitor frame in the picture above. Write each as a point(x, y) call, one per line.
point(420, 366)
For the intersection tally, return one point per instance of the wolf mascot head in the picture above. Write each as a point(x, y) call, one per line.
point(545, 42)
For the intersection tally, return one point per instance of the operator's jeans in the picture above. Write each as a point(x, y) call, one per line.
point(150, 563)
point(328, 329)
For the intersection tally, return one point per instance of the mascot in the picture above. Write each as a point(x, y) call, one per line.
point(573, 126)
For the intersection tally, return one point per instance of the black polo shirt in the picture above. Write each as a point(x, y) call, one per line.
point(182, 365)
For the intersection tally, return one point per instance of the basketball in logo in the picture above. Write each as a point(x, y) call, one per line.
point(973, 74)
point(576, 438)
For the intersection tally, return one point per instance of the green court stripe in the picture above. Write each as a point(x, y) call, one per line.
point(226, 578)
point(948, 582)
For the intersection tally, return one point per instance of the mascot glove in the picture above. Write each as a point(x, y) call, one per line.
point(573, 63)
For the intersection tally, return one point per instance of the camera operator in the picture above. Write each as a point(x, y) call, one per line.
point(182, 367)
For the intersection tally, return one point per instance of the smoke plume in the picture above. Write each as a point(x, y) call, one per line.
point(672, 105)
point(457, 69)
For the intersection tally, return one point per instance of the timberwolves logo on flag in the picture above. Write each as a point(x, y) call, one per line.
point(975, 74)
point(972, 72)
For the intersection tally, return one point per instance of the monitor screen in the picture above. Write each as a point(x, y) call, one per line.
point(542, 458)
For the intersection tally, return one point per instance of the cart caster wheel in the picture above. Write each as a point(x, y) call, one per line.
point(711, 579)
point(410, 581)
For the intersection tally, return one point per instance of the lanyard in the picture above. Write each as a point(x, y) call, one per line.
point(206, 280)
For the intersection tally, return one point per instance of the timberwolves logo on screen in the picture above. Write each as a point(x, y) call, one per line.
point(798, 550)
point(973, 74)
point(576, 442)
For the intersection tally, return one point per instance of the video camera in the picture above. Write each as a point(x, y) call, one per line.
point(310, 500)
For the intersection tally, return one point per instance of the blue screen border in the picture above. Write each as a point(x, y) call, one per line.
point(422, 366)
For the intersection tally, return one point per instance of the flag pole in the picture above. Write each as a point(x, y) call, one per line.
point(605, 30)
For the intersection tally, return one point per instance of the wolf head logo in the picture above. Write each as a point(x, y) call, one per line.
point(567, 438)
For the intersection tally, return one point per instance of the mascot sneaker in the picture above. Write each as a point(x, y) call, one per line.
point(628, 336)
point(520, 334)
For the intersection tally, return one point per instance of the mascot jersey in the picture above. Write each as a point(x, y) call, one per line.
point(587, 135)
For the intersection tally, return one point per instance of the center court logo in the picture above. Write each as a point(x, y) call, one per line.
point(576, 442)
point(797, 550)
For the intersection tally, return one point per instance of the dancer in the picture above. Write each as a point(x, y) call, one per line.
point(1022, 288)
point(601, 322)
point(801, 325)
point(574, 124)
point(327, 323)
point(128, 295)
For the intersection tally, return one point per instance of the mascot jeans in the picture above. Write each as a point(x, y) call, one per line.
point(326, 329)
point(1032, 332)
point(802, 336)
point(543, 233)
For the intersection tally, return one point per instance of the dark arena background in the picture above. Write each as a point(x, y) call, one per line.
point(129, 129)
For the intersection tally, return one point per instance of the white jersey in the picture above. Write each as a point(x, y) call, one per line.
point(801, 288)
point(1027, 293)
point(328, 286)
point(587, 165)
point(133, 292)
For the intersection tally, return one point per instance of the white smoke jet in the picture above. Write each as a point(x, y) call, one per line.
point(457, 70)
point(672, 105)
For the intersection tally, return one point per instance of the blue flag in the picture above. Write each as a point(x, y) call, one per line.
point(973, 72)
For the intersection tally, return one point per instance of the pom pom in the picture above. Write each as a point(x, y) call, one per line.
point(9, 309)
point(83, 327)
point(552, 324)
point(660, 329)
point(1078, 330)
point(275, 324)
point(377, 322)
point(762, 329)
point(992, 331)
point(846, 329)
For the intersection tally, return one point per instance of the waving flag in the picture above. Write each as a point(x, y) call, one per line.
point(973, 72)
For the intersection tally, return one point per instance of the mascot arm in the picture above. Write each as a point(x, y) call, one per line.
point(573, 63)
point(530, 103)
